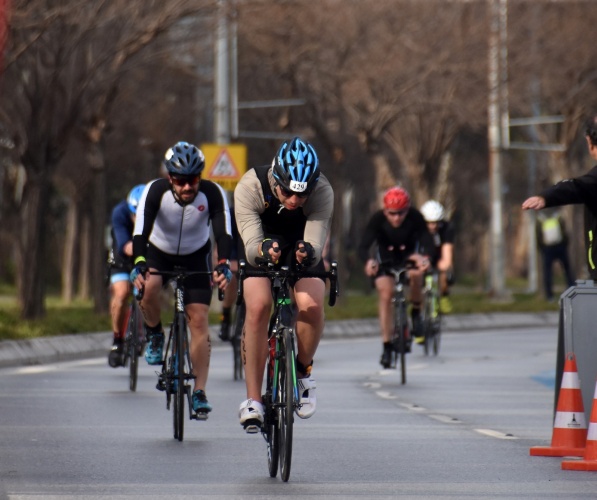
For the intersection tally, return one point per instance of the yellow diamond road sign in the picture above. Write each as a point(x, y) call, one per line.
point(225, 163)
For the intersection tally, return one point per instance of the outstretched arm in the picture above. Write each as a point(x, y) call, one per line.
point(533, 203)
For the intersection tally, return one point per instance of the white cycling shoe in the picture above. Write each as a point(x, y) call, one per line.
point(308, 399)
point(251, 416)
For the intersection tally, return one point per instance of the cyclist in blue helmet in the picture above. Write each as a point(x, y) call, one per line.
point(123, 221)
point(134, 196)
point(283, 214)
point(296, 167)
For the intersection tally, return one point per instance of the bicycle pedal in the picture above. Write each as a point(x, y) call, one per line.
point(252, 426)
point(200, 415)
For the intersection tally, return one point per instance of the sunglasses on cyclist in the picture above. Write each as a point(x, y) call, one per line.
point(287, 193)
point(183, 180)
point(400, 213)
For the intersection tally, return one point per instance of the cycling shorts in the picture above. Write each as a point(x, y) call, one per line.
point(120, 271)
point(197, 289)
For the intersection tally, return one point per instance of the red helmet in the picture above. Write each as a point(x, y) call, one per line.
point(396, 198)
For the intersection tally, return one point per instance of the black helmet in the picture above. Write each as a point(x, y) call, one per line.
point(296, 167)
point(184, 159)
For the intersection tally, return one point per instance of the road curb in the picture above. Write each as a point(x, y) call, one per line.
point(87, 345)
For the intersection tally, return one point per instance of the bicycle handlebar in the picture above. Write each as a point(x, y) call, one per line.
point(268, 270)
point(178, 274)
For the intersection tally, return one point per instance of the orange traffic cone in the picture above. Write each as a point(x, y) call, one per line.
point(589, 461)
point(569, 428)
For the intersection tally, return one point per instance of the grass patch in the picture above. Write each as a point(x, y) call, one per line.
point(79, 316)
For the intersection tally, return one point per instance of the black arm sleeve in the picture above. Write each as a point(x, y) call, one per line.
point(369, 236)
point(579, 190)
point(219, 212)
point(147, 211)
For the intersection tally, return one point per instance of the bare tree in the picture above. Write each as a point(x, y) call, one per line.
point(64, 62)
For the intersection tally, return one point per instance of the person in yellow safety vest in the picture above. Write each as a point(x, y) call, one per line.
point(553, 243)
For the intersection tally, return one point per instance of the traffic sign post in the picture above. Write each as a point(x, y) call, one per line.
point(225, 163)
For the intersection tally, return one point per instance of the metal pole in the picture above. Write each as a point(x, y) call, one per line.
point(497, 282)
point(233, 73)
point(221, 83)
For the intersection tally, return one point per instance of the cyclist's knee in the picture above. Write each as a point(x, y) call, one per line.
point(385, 296)
point(313, 315)
point(256, 317)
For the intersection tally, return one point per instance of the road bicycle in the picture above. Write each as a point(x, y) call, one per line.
point(431, 319)
point(281, 397)
point(134, 342)
point(401, 334)
point(177, 371)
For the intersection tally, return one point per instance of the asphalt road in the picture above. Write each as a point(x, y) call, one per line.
point(460, 428)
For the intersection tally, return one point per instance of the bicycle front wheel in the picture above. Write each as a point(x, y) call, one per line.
point(272, 437)
point(179, 377)
point(134, 334)
point(287, 386)
point(402, 336)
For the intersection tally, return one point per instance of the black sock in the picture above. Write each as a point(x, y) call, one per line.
point(303, 370)
point(153, 329)
point(226, 314)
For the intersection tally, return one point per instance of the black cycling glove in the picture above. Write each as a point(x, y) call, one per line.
point(266, 245)
point(305, 247)
point(224, 268)
point(140, 268)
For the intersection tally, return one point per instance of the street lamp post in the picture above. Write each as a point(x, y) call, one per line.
point(497, 78)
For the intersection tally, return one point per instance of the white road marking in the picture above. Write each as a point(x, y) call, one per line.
point(495, 434)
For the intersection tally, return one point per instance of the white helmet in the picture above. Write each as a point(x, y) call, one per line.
point(433, 211)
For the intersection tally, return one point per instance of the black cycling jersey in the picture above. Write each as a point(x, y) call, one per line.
point(122, 232)
point(395, 244)
point(444, 234)
point(579, 190)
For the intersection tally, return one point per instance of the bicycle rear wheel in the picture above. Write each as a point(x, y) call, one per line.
point(428, 322)
point(286, 377)
point(179, 377)
point(437, 333)
point(236, 342)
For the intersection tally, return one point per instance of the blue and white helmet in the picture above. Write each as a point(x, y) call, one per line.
point(296, 167)
point(132, 200)
point(184, 159)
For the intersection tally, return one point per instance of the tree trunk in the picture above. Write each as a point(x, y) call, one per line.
point(30, 259)
point(384, 178)
point(98, 224)
point(419, 190)
point(84, 257)
point(70, 252)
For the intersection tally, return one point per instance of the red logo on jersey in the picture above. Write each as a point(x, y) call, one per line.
point(201, 208)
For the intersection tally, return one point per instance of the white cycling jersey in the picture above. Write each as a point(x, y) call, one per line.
point(181, 230)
